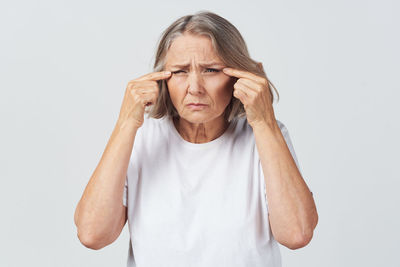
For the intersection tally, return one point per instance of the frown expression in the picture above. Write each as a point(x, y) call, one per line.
point(197, 77)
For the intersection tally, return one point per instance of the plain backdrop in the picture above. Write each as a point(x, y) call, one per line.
point(64, 67)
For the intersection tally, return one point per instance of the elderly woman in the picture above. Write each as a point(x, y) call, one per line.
point(209, 176)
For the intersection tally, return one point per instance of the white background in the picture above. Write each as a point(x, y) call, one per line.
point(64, 66)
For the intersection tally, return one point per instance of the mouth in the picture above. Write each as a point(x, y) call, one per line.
point(196, 106)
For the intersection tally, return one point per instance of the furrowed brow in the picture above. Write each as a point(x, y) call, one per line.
point(212, 64)
point(202, 65)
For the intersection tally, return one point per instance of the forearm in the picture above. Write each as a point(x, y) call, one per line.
point(292, 211)
point(99, 210)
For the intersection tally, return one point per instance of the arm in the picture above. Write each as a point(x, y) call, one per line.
point(292, 211)
point(100, 215)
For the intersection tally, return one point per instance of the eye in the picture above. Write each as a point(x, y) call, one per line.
point(178, 71)
point(212, 70)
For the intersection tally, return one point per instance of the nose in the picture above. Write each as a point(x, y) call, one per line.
point(195, 83)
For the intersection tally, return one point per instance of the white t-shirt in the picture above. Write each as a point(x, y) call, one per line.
point(198, 204)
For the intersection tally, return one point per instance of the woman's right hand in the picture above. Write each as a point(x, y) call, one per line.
point(140, 92)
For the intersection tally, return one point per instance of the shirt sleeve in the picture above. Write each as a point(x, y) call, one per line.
point(129, 173)
point(125, 195)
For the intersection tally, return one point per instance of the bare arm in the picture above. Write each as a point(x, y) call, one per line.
point(292, 212)
point(100, 215)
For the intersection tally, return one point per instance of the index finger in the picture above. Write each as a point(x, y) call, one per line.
point(154, 76)
point(242, 74)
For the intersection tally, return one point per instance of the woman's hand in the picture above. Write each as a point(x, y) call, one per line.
point(253, 92)
point(140, 93)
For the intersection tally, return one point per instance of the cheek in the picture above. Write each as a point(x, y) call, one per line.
point(175, 82)
point(218, 81)
point(175, 90)
point(221, 88)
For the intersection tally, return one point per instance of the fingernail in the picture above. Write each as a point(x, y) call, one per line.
point(167, 72)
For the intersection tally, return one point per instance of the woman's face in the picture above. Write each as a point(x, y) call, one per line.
point(197, 77)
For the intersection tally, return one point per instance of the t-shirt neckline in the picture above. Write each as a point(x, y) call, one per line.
point(212, 143)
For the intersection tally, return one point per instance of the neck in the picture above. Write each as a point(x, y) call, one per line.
point(201, 132)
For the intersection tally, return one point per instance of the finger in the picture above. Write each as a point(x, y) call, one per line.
point(155, 76)
point(242, 87)
point(240, 91)
point(142, 84)
point(250, 94)
point(252, 85)
point(243, 74)
point(145, 90)
point(239, 94)
point(149, 99)
point(147, 93)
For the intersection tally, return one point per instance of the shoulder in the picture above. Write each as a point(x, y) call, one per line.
point(152, 125)
point(151, 131)
point(243, 126)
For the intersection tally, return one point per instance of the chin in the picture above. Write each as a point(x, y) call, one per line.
point(197, 118)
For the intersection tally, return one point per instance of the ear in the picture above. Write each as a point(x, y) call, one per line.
point(260, 66)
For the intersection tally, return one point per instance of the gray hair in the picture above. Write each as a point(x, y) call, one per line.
point(229, 46)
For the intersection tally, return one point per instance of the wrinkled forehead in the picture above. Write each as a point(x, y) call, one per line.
point(191, 49)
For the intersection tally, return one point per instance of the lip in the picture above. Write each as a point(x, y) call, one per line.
point(196, 106)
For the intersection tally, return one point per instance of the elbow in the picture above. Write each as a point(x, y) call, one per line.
point(85, 235)
point(90, 241)
point(302, 238)
point(299, 240)
point(300, 234)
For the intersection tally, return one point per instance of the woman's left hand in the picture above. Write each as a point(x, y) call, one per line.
point(253, 91)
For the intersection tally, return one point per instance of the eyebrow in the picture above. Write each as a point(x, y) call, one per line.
point(202, 65)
